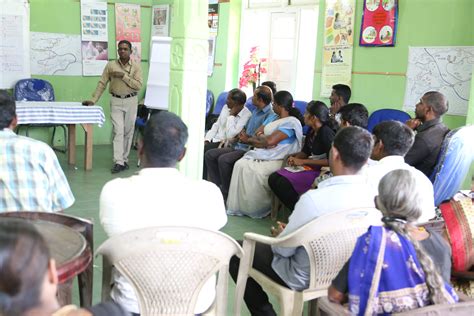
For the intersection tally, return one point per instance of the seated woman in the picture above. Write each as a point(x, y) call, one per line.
point(391, 269)
point(289, 183)
point(249, 193)
point(28, 278)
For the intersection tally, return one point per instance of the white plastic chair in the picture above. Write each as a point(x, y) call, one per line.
point(329, 241)
point(168, 266)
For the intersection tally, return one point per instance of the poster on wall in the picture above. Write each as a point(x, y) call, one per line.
point(213, 18)
point(211, 55)
point(127, 27)
point(160, 20)
point(14, 43)
point(379, 23)
point(338, 44)
point(94, 21)
point(94, 34)
point(447, 69)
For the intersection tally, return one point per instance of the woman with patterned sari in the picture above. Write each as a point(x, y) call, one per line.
point(391, 269)
point(249, 193)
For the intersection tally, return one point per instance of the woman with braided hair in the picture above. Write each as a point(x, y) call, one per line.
point(392, 267)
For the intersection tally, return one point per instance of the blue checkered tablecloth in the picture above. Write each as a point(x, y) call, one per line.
point(58, 113)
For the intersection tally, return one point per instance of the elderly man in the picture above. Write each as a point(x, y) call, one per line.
point(430, 130)
point(31, 178)
point(220, 161)
point(347, 189)
point(392, 141)
point(126, 80)
point(232, 119)
point(159, 195)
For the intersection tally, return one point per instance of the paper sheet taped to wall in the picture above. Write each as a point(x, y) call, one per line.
point(14, 44)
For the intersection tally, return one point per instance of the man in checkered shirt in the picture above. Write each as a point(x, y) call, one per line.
point(31, 178)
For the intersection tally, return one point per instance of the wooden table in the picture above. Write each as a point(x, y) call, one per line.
point(68, 113)
point(71, 253)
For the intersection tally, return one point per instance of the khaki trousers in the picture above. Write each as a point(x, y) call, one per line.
point(123, 113)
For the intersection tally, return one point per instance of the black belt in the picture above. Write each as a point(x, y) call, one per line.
point(124, 96)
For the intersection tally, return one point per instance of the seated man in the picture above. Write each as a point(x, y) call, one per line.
point(392, 140)
point(353, 114)
point(220, 161)
point(340, 96)
point(231, 121)
point(430, 130)
point(31, 178)
point(159, 195)
point(290, 266)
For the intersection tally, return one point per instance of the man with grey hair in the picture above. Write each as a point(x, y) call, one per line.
point(159, 195)
point(430, 132)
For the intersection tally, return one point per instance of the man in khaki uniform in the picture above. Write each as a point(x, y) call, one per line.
point(126, 80)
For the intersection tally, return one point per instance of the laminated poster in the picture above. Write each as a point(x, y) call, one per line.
point(379, 23)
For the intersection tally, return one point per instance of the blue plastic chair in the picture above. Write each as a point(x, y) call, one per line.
point(386, 115)
point(301, 106)
point(221, 101)
point(38, 90)
point(209, 101)
point(454, 160)
point(249, 104)
point(214, 115)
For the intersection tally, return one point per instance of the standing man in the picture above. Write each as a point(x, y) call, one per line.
point(126, 80)
point(423, 155)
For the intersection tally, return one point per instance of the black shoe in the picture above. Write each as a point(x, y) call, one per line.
point(117, 168)
point(126, 166)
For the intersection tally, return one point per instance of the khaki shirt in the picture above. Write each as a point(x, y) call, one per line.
point(132, 80)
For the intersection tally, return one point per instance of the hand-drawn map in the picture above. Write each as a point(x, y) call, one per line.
point(444, 69)
point(55, 54)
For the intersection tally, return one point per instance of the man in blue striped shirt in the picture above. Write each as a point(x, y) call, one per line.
point(31, 178)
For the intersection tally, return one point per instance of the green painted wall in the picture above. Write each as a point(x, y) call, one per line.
point(63, 16)
point(226, 72)
point(421, 23)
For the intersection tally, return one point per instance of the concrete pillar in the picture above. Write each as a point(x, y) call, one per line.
point(188, 77)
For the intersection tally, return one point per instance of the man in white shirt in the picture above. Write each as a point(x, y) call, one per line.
point(344, 191)
point(159, 195)
point(231, 121)
point(392, 141)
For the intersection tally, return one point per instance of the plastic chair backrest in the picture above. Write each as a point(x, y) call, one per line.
point(386, 115)
point(249, 104)
point(221, 101)
point(33, 90)
point(209, 101)
point(301, 106)
point(167, 266)
point(454, 160)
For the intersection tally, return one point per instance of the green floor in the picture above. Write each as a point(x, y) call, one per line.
point(87, 186)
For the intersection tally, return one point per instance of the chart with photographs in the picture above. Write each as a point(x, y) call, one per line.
point(338, 44)
point(379, 23)
point(94, 35)
point(94, 21)
point(127, 27)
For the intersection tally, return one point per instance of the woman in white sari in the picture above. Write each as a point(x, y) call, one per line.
point(249, 193)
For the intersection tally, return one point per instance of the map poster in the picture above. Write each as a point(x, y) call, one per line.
point(379, 23)
point(213, 18)
point(160, 20)
point(337, 44)
point(94, 21)
point(55, 54)
point(445, 69)
point(127, 27)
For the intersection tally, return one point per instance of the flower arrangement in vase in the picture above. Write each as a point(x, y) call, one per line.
point(253, 68)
